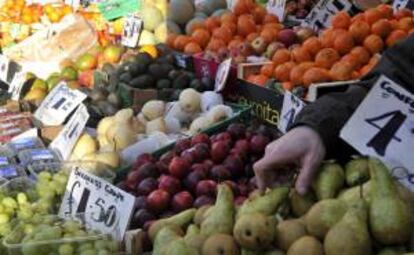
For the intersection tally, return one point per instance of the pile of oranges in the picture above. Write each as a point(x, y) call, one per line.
point(247, 22)
point(348, 50)
point(18, 11)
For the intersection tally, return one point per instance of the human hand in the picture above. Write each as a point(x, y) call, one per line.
point(303, 147)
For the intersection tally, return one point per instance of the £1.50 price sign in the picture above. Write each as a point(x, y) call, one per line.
point(383, 126)
point(104, 207)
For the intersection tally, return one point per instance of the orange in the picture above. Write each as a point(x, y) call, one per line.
point(297, 72)
point(192, 48)
point(386, 10)
point(362, 54)
point(353, 60)
point(341, 71)
point(358, 17)
point(228, 17)
point(406, 23)
point(201, 36)
point(281, 56)
point(181, 41)
point(343, 43)
point(327, 38)
point(282, 72)
point(244, 7)
point(252, 36)
point(215, 44)
point(374, 44)
point(196, 25)
point(382, 28)
point(402, 13)
point(259, 14)
point(359, 30)
point(268, 35)
point(170, 40)
point(212, 23)
point(395, 36)
point(267, 70)
point(341, 20)
point(316, 75)
point(373, 15)
point(313, 45)
point(231, 26)
point(326, 58)
point(246, 25)
point(258, 79)
point(270, 18)
point(223, 33)
point(234, 44)
point(299, 54)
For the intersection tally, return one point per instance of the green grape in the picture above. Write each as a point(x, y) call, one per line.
point(4, 218)
point(48, 219)
point(66, 249)
point(1, 208)
point(50, 233)
point(9, 202)
point(88, 252)
point(44, 175)
point(103, 252)
point(22, 198)
point(46, 193)
point(43, 206)
point(30, 250)
point(100, 244)
point(85, 246)
point(28, 229)
point(5, 229)
point(71, 226)
point(80, 233)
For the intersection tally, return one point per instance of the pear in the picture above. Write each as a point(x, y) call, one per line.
point(274, 252)
point(179, 247)
point(351, 195)
point(350, 235)
point(255, 231)
point(323, 215)
point(308, 245)
point(221, 217)
point(193, 238)
point(357, 171)
point(330, 180)
point(392, 251)
point(166, 235)
point(390, 220)
point(200, 214)
point(266, 204)
point(299, 204)
point(220, 244)
point(182, 219)
point(288, 231)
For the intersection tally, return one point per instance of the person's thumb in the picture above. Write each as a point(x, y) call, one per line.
point(305, 178)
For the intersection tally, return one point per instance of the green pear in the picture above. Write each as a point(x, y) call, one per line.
point(299, 204)
point(390, 220)
point(351, 195)
point(181, 220)
point(288, 231)
point(201, 213)
point(357, 171)
point(220, 244)
point(392, 251)
point(329, 182)
point(194, 238)
point(308, 245)
point(179, 247)
point(221, 217)
point(166, 235)
point(323, 215)
point(350, 235)
point(266, 204)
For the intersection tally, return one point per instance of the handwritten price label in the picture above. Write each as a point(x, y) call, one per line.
point(292, 105)
point(106, 208)
point(132, 31)
point(383, 126)
point(4, 67)
point(222, 75)
point(277, 7)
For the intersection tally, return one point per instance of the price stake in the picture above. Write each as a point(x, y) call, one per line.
point(16, 85)
point(277, 7)
point(222, 75)
point(292, 105)
point(4, 67)
point(70, 134)
point(132, 31)
point(401, 4)
point(58, 104)
point(383, 127)
point(105, 207)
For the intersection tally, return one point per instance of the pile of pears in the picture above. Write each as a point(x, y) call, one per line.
point(355, 210)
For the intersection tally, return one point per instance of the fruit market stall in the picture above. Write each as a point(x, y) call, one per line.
point(135, 127)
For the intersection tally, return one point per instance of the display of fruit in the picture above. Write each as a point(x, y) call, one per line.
point(380, 222)
point(346, 51)
point(299, 9)
point(188, 176)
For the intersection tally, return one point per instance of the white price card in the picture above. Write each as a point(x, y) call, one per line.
point(132, 31)
point(321, 14)
point(383, 126)
point(4, 67)
point(69, 135)
point(231, 4)
point(222, 75)
point(292, 105)
point(277, 7)
point(401, 4)
point(105, 207)
point(16, 85)
point(58, 104)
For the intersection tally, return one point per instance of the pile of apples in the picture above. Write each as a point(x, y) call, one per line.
point(188, 176)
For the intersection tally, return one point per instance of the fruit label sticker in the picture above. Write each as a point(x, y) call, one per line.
point(113, 9)
point(321, 14)
point(67, 138)
point(383, 126)
point(400, 4)
point(58, 104)
point(16, 85)
point(132, 31)
point(222, 75)
point(106, 208)
point(277, 7)
point(292, 105)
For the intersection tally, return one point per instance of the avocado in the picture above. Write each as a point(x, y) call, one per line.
point(181, 82)
point(136, 69)
point(163, 84)
point(173, 74)
point(143, 82)
point(197, 85)
point(165, 70)
point(163, 48)
point(208, 83)
point(144, 58)
point(126, 77)
point(155, 70)
point(165, 94)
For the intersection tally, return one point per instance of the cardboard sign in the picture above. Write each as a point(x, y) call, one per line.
point(277, 7)
point(58, 104)
point(321, 14)
point(222, 75)
point(132, 31)
point(70, 134)
point(383, 126)
point(113, 9)
point(4, 67)
point(106, 208)
point(292, 105)
point(16, 85)
point(400, 4)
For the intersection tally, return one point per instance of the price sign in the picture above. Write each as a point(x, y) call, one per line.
point(322, 13)
point(113, 9)
point(292, 105)
point(16, 85)
point(383, 126)
point(70, 134)
point(222, 75)
point(4, 67)
point(132, 31)
point(106, 208)
point(277, 7)
point(58, 104)
point(400, 4)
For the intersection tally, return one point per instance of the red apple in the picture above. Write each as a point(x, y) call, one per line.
point(200, 138)
point(162, 167)
point(208, 163)
point(140, 202)
point(146, 186)
point(158, 200)
point(220, 173)
point(189, 155)
point(206, 187)
point(170, 184)
point(167, 157)
point(201, 151)
point(132, 179)
point(242, 145)
point(224, 136)
point(258, 144)
point(179, 167)
point(194, 178)
point(140, 217)
point(142, 159)
point(200, 167)
point(219, 151)
point(237, 130)
point(203, 200)
point(148, 170)
point(181, 146)
point(182, 201)
point(235, 165)
point(86, 79)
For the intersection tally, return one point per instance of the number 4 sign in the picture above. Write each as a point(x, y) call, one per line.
point(383, 126)
point(292, 105)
